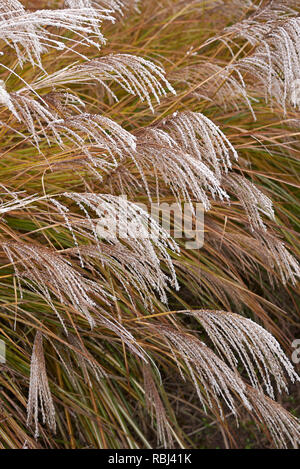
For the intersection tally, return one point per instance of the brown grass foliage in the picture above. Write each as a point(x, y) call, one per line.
point(116, 342)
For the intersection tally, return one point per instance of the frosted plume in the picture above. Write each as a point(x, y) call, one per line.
point(275, 63)
point(136, 75)
point(116, 6)
point(51, 274)
point(52, 118)
point(201, 138)
point(260, 353)
point(40, 397)
point(206, 369)
point(186, 175)
point(26, 31)
point(252, 199)
point(154, 403)
point(282, 425)
point(134, 227)
point(219, 85)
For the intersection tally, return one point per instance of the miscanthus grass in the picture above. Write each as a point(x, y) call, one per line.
point(135, 342)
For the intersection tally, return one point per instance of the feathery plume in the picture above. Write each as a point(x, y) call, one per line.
point(133, 270)
point(260, 23)
point(260, 353)
point(50, 274)
point(26, 31)
point(121, 220)
point(117, 6)
point(219, 85)
point(208, 372)
point(282, 425)
point(57, 122)
point(154, 402)
point(252, 199)
point(186, 175)
point(275, 63)
point(40, 397)
point(201, 138)
point(94, 130)
point(286, 263)
point(136, 75)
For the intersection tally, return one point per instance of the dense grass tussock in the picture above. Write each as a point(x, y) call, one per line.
point(181, 101)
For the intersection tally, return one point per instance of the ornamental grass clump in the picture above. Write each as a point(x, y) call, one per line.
point(136, 341)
